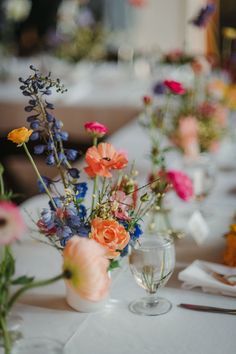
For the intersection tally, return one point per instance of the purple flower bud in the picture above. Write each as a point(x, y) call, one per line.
point(50, 145)
point(50, 117)
point(50, 160)
point(34, 136)
point(74, 172)
point(61, 156)
point(35, 124)
point(39, 149)
point(28, 108)
point(26, 93)
point(32, 102)
point(64, 136)
point(71, 154)
point(32, 118)
point(47, 182)
point(58, 124)
point(49, 105)
point(47, 92)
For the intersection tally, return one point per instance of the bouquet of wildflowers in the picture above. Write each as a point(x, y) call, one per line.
point(113, 217)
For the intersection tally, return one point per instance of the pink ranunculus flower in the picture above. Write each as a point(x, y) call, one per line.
point(85, 260)
point(96, 128)
point(175, 87)
point(188, 136)
point(12, 225)
point(181, 183)
point(121, 203)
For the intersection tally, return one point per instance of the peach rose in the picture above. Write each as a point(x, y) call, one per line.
point(111, 234)
point(20, 135)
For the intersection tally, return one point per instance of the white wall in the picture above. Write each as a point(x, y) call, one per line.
point(164, 24)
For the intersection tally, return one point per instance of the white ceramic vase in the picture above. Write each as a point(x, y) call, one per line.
point(82, 305)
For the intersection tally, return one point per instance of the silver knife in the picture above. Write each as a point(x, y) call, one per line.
point(208, 309)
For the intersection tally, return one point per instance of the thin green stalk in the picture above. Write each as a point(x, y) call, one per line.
point(38, 175)
point(95, 181)
point(32, 285)
point(6, 335)
point(2, 189)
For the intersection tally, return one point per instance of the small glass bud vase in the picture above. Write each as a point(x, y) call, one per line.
point(158, 221)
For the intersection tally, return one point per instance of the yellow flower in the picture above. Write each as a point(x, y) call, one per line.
point(229, 32)
point(20, 135)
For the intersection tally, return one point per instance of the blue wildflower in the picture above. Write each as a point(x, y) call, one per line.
point(204, 15)
point(74, 172)
point(82, 211)
point(71, 154)
point(34, 136)
point(47, 182)
point(39, 149)
point(136, 232)
point(50, 160)
point(64, 136)
point(48, 218)
point(159, 88)
point(84, 230)
point(80, 189)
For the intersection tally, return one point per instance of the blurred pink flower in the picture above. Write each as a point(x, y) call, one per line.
point(96, 128)
point(137, 3)
point(87, 264)
point(12, 225)
point(121, 203)
point(188, 136)
point(181, 183)
point(175, 87)
point(221, 114)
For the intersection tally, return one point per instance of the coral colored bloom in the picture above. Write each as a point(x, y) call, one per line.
point(20, 135)
point(111, 234)
point(188, 136)
point(85, 261)
point(175, 87)
point(102, 159)
point(12, 225)
point(182, 184)
point(96, 128)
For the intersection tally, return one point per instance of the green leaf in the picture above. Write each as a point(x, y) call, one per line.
point(113, 264)
point(22, 280)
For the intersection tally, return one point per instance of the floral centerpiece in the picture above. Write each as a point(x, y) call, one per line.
point(112, 220)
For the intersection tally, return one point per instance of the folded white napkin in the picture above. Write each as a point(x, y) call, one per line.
point(199, 274)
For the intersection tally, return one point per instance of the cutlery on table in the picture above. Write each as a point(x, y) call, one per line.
point(208, 309)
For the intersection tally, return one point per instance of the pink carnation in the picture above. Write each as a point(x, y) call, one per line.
point(175, 87)
point(182, 184)
point(96, 128)
point(12, 225)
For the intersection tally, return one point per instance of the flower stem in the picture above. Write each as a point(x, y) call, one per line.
point(38, 175)
point(32, 285)
point(2, 190)
point(95, 181)
point(6, 335)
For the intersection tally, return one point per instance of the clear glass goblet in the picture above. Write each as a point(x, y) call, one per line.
point(152, 263)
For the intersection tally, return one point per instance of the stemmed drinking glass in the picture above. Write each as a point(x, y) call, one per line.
point(152, 263)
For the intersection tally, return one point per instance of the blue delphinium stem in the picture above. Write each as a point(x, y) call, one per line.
point(95, 181)
point(38, 175)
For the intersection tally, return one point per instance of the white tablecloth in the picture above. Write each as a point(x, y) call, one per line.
point(115, 330)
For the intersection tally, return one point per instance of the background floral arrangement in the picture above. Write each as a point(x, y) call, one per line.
point(161, 178)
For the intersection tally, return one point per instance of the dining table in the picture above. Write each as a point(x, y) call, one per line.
point(114, 329)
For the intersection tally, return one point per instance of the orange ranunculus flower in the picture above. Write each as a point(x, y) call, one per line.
point(86, 262)
point(20, 135)
point(102, 159)
point(111, 234)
